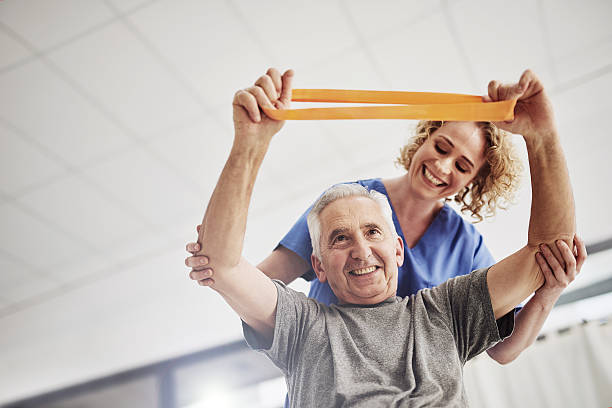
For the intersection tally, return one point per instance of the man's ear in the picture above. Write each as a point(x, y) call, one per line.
point(399, 251)
point(317, 266)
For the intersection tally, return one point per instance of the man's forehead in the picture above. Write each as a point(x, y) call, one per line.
point(351, 210)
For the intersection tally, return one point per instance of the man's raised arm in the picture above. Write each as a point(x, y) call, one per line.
point(552, 206)
point(248, 291)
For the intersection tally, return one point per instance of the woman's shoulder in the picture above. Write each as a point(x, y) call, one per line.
point(452, 220)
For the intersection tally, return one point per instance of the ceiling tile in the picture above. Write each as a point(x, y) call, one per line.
point(129, 5)
point(33, 241)
point(12, 51)
point(207, 43)
point(404, 54)
point(84, 212)
point(300, 34)
point(481, 35)
point(45, 23)
point(127, 79)
point(50, 112)
point(23, 165)
point(375, 19)
point(580, 35)
point(147, 186)
point(198, 150)
point(18, 283)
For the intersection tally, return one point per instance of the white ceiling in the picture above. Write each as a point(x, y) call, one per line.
point(115, 121)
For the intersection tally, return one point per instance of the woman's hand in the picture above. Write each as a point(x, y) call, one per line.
point(200, 271)
point(533, 113)
point(559, 274)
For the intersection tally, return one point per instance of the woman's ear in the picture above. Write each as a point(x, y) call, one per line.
point(317, 266)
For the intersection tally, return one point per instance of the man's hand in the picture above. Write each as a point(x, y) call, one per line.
point(269, 91)
point(200, 271)
point(558, 274)
point(533, 113)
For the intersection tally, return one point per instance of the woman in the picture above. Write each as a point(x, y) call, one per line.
point(470, 161)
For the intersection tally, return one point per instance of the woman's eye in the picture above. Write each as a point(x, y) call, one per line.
point(439, 149)
point(340, 238)
point(461, 168)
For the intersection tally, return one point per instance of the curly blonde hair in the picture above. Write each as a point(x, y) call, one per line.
point(495, 183)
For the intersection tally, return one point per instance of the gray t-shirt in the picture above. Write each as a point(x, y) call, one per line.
point(401, 352)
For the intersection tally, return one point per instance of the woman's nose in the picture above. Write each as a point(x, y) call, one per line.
point(444, 165)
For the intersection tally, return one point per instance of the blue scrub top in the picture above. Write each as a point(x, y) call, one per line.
point(450, 247)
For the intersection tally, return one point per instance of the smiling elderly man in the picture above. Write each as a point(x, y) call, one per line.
point(375, 349)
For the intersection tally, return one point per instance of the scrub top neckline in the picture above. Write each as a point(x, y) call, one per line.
point(398, 227)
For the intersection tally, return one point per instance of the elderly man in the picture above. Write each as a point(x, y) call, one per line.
point(374, 349)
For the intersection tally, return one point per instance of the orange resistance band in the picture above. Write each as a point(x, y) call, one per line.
point(399, 105)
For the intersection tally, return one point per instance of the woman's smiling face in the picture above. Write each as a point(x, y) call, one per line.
point(448, 160)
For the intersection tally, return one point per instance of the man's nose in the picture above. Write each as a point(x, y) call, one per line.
point(361, 249)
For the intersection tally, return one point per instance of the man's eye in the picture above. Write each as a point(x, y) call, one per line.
point(340, 238)
point(373, 231)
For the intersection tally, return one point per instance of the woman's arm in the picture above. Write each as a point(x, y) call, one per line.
point(529, 320)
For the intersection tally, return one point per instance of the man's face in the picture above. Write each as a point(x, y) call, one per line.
point(359, 253)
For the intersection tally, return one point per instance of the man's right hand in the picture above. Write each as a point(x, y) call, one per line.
point(269, 91)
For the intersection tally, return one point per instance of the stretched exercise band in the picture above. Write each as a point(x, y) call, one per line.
point(399, 105)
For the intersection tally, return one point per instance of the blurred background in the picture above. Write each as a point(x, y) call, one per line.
point(115, 122)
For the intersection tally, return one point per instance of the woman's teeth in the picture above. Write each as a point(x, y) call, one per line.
point(363, 271)
point(433, 178)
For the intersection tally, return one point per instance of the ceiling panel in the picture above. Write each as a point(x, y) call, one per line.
point(44, 107)
point(45, 23)
point(126, 6)
point(299, 34)
point(12, 51)
point(146, 186)
point(378, 19)
point(33, 241)
point(403, 53)
point(580, 35)
point(23, 165)
point(198, 151)
point(207, 44)
point(482, 25)
point(75, 206)
point(127, 79)
point(19, 282)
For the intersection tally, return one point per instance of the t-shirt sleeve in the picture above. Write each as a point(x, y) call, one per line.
point(472, 320)
point(294, 312)
point(298, 241)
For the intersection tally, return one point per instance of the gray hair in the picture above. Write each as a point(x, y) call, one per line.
point(344, 191)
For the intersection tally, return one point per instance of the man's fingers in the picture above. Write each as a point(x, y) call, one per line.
point(247, 101)
point(261, 97)
point(494, 91)
point(285, 97)
point(265, 82)
point(276, 79)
